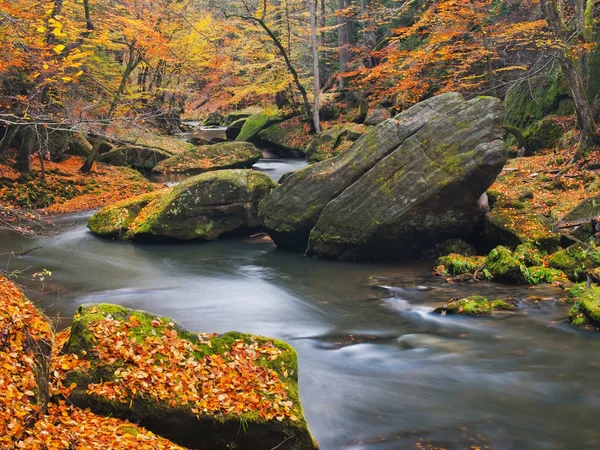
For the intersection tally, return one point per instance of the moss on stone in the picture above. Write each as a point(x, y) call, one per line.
point(575, 261)
point(254, 124)
point(503, 265)
point(528, 255)
point(543, 134)
point(196, 160)
point(457, 264)
point(113, 221)
point(474, 306)
point(586, 310)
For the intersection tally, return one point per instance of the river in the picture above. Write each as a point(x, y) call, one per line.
point(377, 370)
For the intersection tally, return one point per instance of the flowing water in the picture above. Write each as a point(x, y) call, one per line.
point(377, 370)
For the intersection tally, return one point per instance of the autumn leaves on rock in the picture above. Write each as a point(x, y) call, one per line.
point(413, 180)
point(199, 390)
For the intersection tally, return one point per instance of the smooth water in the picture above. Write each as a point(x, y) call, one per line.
point(377, 370)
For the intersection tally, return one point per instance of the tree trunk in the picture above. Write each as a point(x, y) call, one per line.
point(23, 157)
point(575, 70)
point(315, 53)
point(131, 65)
point(9, 136)
point(342, 43)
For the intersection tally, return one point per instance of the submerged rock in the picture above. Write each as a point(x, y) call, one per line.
point(195, 160)
point(201, 391)
point(292, 211)
point(202, 207)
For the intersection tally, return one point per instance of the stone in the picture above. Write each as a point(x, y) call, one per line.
point(291, 211)
point(333, 141)
point(205, 158)
point(255, 124)
point(203, 207)
point(425, 191)
point(286, 139)
point(207, 420)
point(376, 116)
point(214, 119)
point(137, 157)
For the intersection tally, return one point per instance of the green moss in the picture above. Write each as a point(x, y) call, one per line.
point(456, 264)
point(254, 124)
point(528, 255)
point(474, 306)
point(586, 310)
point(503, 265)
point(543, 134)
point(575, 261)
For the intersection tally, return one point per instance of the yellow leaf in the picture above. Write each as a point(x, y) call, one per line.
point(58, 49)
point(66, 78)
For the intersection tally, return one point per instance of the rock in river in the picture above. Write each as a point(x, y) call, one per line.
point(412, 181)
point(195, 160)
point(201, 391)
point(202, 207)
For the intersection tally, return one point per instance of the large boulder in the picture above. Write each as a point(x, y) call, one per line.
point(424, 192)
point(65, 142)
point(333, 141)
point(291, 211)
point(411, 182)
point(255, 124)
point(203, 207)
point(234, 129)
point(583, 221)
point(135, 156)
point(214, 119)
point(205, 158)
point(202, 391)
point(287, 138)
point(376, 116)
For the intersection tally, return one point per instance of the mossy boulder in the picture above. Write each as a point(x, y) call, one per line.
point(474, 306)
point(523, 266)
point(205, 158)
point(582, 221)
point(543, 134)
point(201, 391)
point(575, 261)
point(234, 129)
point(426, 190)
point(333, 141)
point(113, 221)
point(214, 119)
point(374, 211)
point(503, 265)
point(585, 312)
point(235, 116)
point(137, 157)
point(254, 125)
point(507, 225)
point(287, 138)
point(528, 255)
point(457, 264)
point(203, 207)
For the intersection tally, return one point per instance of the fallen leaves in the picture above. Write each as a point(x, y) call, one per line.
point(158, 363)
point(23, 424)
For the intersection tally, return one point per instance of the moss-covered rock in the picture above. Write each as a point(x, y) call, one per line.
point(507, 225)
point(137, 157)
point(575, 261)
point(474, 306)
point(286, 139)
point(394, 191)
point(457, 264)
point(64, 142)
point(234, 129)
point(205, 158)
point(214, 119)
point(201, 391)
point(255, 124)
point(585, 312)
point(543, 134)
point(503, 265)
point(528, 255)
point(202, 207)
point(113, 221)
point(333, 141)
